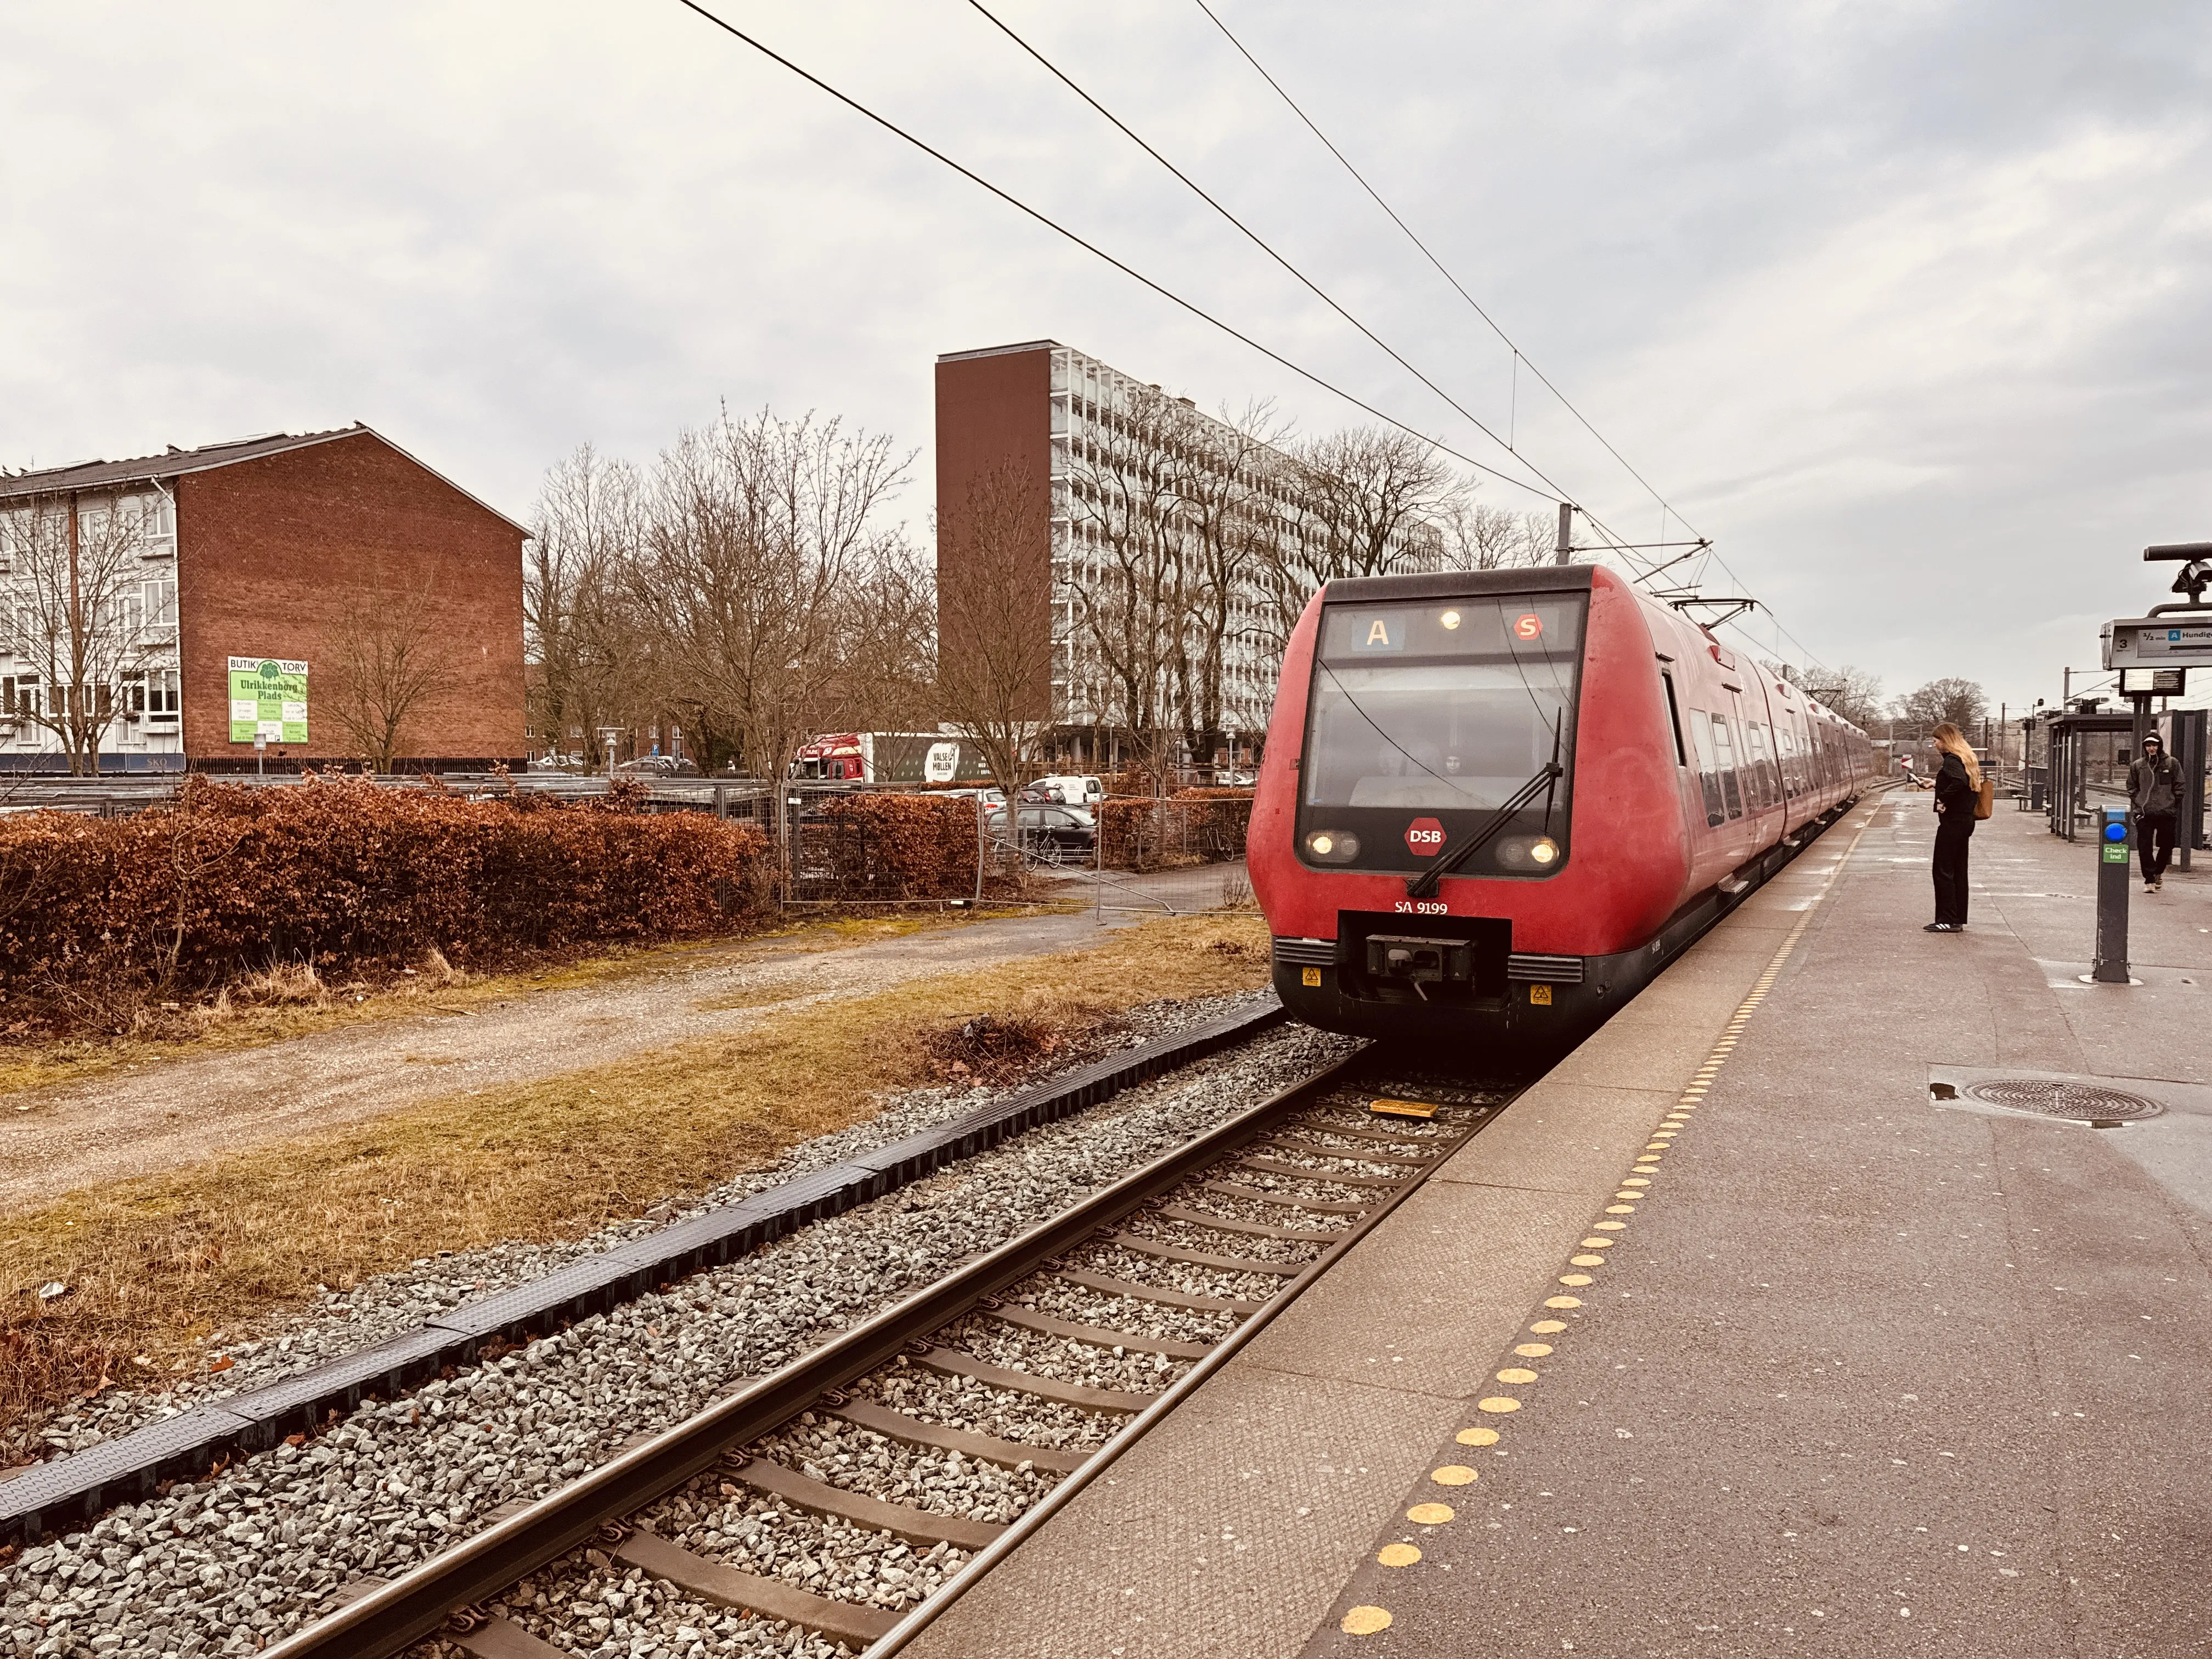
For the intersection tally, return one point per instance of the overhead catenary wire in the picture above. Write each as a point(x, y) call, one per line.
point(1520, 357)
point(1098, 252)
point(1174, 298)
point(1260, 242)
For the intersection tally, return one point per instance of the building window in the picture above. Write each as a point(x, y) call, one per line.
point(19, 693)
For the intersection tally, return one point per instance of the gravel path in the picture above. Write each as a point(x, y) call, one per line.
point(218, 1566)
point(148, 1118)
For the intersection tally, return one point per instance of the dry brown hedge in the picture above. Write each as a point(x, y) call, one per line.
point(897, 847)
point(1192, 826)
point(345, 875)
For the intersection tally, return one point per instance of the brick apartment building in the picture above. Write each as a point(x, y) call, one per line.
point(1070, 424)
point(282, 549)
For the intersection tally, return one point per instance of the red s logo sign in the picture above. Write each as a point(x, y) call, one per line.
point(1527, 626)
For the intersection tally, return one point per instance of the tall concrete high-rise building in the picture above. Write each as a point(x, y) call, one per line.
point(1164, 553)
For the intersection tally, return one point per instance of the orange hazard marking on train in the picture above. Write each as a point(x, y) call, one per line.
point(1477, 1436)
point(1365, 1621)
point(1430, 1515)
point(1398, 1555)
point(1454, 1475)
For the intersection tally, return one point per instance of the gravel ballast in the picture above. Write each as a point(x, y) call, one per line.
point(960, 1402)
point(219, 1566)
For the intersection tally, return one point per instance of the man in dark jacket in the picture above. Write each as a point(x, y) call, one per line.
point(2154, 792)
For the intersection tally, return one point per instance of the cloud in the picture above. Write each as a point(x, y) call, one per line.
point(1902, 303)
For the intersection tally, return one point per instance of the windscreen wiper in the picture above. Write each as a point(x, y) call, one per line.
point(1425, 884)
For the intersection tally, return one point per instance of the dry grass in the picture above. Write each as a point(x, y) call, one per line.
point(154, 1263)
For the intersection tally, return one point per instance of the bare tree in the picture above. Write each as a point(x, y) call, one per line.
point(1480, 537)
point(578, 628)
point(1126, 504)
point(1853, 693)
point(388, 656)
point(77, 592)
point(1230, 488)
point(1962, 702)
point(888, 679)
point(1362, 502)
point(760, 533)
point(995, 647)
point(1372, 497)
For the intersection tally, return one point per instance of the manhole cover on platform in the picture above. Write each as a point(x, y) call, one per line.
point(2051, 1098)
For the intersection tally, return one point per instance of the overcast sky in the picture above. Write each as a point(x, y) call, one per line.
point(1905, 305)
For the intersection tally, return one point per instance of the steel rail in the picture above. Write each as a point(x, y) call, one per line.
point(416, 1605)
point(929, 1612)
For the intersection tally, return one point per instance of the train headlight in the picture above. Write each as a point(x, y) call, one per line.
point(1450, 619)
point(1527, 853)
point(1332, 846)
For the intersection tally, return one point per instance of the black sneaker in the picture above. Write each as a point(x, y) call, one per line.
point(1943, 927)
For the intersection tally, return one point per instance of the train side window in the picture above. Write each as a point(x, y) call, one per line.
point(1758, 785)
point(1724, 751)
point(1675, 719)
point(1709, 776)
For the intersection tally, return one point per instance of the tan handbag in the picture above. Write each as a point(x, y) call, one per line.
point(1986, 798)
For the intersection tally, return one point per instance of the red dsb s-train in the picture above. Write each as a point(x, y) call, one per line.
point(1493, 804)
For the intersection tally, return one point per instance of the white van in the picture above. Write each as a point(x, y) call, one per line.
point(1068, 789)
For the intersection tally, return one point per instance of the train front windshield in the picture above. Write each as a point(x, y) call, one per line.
point(1425, 717)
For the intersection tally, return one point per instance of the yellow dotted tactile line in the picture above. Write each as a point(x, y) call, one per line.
point(1366, 1619)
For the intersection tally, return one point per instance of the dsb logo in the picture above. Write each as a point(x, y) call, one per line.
point(1424, 837)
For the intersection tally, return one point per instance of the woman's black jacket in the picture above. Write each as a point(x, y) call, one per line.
point(1954, 792)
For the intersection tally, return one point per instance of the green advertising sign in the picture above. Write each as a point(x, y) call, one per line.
point(268, 699)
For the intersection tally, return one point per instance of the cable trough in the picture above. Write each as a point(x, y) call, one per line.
point(1109, 1314)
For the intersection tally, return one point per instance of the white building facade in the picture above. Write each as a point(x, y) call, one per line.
point(89, 629)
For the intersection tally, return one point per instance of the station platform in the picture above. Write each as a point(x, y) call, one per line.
point(1869, 1365)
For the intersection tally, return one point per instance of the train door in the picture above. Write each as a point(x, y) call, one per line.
point(1687, 785)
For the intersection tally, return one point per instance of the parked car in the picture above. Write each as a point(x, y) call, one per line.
point(1059, 834)
point(992, 797)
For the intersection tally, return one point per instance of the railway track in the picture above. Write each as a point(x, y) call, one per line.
point(921, 1445)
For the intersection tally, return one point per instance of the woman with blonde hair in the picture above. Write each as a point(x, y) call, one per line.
point(1958, 791)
